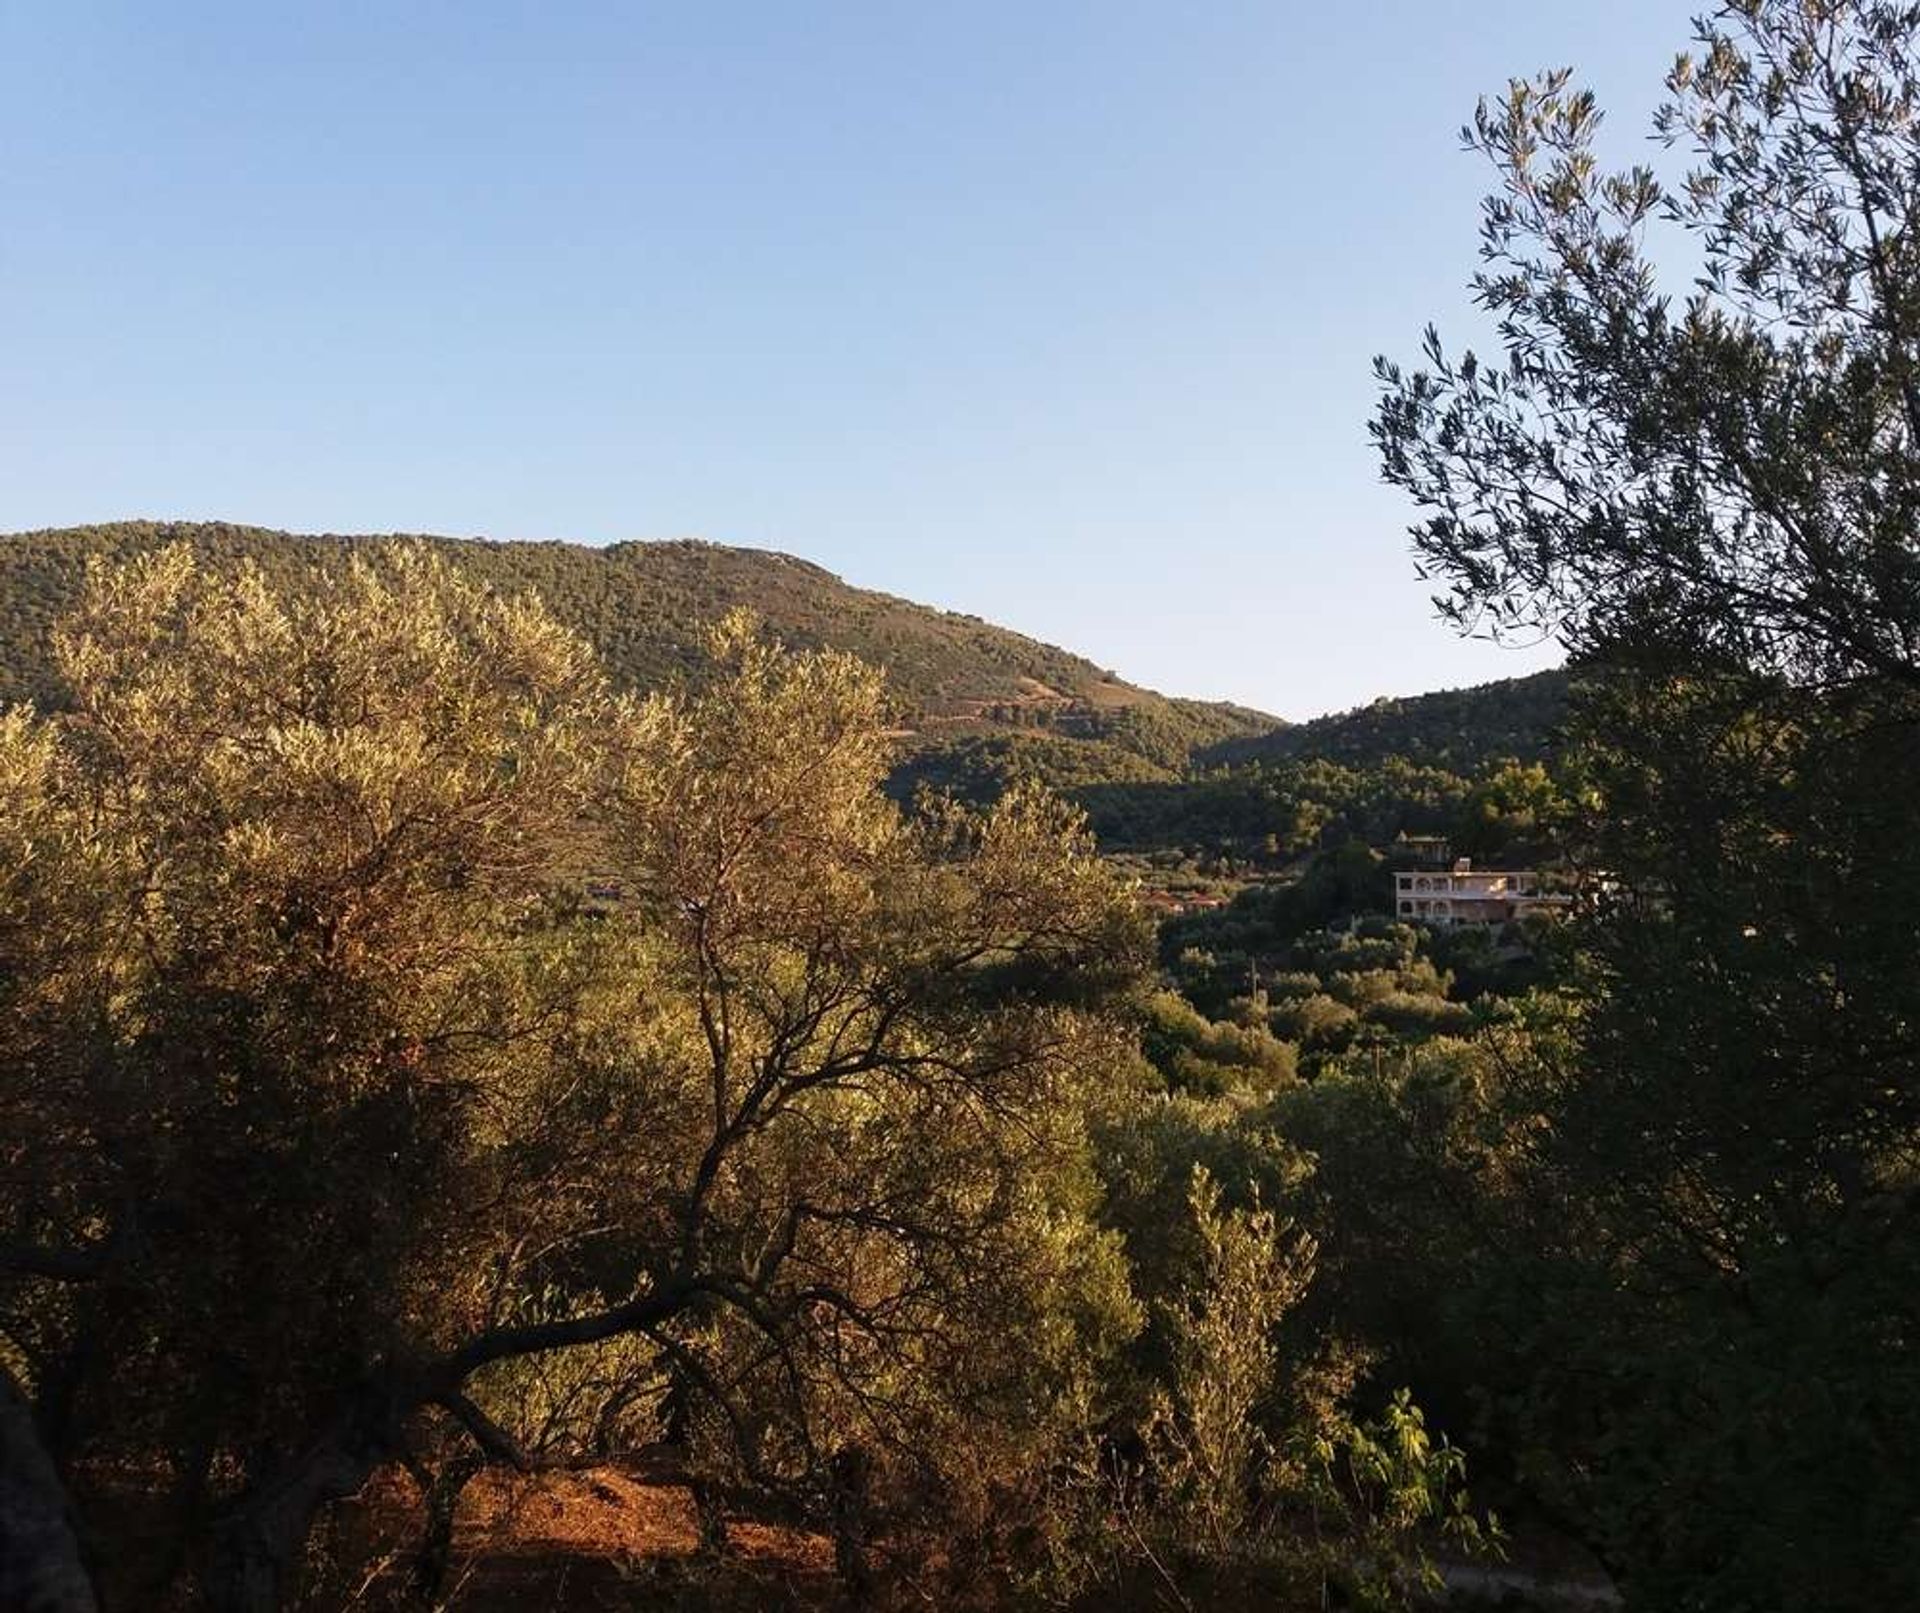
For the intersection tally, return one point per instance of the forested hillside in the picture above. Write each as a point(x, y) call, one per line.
point(1459, 729)
point(645, 606)
point(979, 707)
point(1461, 762)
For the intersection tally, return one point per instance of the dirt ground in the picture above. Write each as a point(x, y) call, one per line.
point(576, 1541)
point(626, 1536)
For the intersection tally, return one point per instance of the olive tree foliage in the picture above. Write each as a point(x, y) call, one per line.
point(277, 962)
point(333, 1103)
point(876, 1049)
point(1241, 1465)
point(1710, 497)
point(1204, 1432)
point(1730, 473)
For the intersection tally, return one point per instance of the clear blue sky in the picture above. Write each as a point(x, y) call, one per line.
point(1057, 313)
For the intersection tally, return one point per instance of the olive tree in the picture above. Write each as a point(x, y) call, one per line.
point(1708, 493)
point(389, 1003)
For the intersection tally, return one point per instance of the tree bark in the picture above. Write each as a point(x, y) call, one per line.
point(254, 1554)
point(440, 1503)
point(253, 1558)
point(851, 1474)
point(41, 1568)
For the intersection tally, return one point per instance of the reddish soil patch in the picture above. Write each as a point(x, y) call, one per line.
point(621, 1536)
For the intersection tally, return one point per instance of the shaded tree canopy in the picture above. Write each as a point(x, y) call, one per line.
point(1729, 475)
point(1710, 498)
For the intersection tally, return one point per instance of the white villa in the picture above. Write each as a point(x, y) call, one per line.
point(1469, 895)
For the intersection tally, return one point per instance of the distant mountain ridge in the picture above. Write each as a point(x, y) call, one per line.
point(644, 606)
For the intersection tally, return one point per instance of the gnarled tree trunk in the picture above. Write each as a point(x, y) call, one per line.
point(41, 1569)
point(253, 1558)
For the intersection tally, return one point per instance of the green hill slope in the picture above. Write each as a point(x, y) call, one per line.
point(645, 604)
point(1459, 729)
